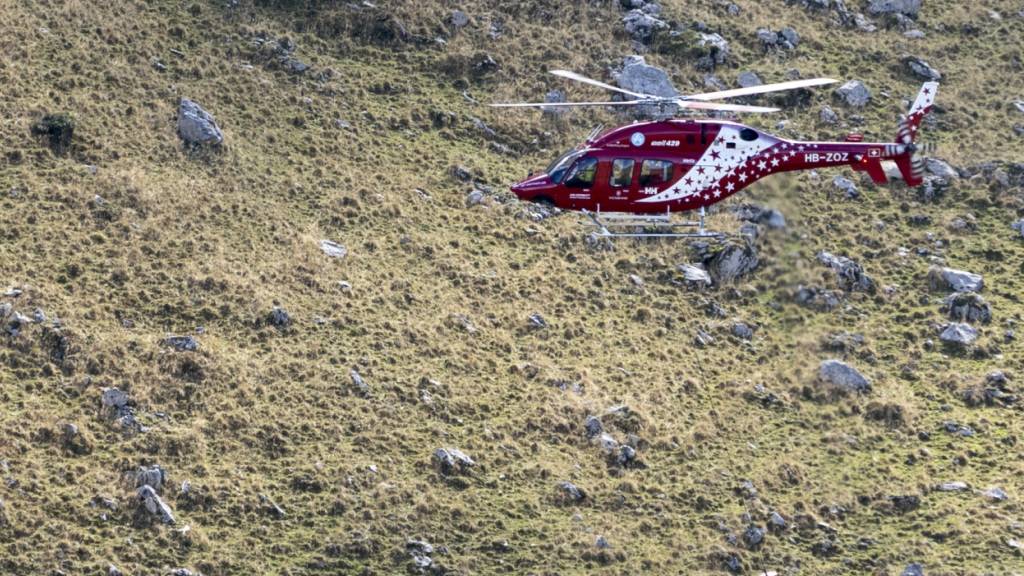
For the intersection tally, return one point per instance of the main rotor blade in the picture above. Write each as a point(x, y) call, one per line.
point(723, 107)
point(585, 80)
point(761, 89)
point(553, 104)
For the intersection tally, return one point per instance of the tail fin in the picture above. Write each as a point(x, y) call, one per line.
point(910, 165)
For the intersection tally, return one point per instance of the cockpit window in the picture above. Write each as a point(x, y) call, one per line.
point(582, 173)
point(748, 134)
point(556, 170)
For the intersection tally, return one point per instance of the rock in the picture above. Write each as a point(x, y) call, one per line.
point(358, 382)
point(537, 322)
point(995, 494)
point(554, 96)
point(776, 522)
point(294, 65)
point(153, 504)
point(733, 262)
point(153, 476)
point(817, 298)
point(921, 69)
point(183, 572)
point(474, 198)
point(913, 570)
point(958, 334)
point(642, 26)
point(828, 116)
point(420, 551)
point(846, 186)
point(459, 19)
point(958, 429)
point(995, 391)
point(114, 570)
point(849, 274)
point(747, 489)
point(791, 36)
point(843, 376)
point(940, 169)
point(272, 507)
point(450, 461)
point(75, 441)
point(1019, 227)
point(967, 307)
point(904, 7)
point(695, 276)
point(768, 39)
point(715, 48)
point(608, 443)
point(571, 492)
point(748, 79)
point(955, 280)
point(333, 249)
point(279, 318)
point(952, 487)
point(626, 456)
point(753, 537)
point(914, 34)
point(593, 426)
point(639, 76)
point(196, 126)
point(854, 93)
point(181, 343)
point(742, 330)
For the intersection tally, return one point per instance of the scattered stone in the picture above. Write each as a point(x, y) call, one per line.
point(537, 322)
point(776, 522)
point(571, 492)
point(554, 97)
point(995, 494)
point(959, 334)
point(941, 169)
point(742, 331)
point(359, 383)
point(196, 126)
point(785, 39)
point(817, 298)
point(849, 274)
point(1019, 227)
point(733, 262)
point(75, 441)
point(753, 537)
point(642, 26)
point(921, 69)
point(279, 318)
point(608, 443)
point(474, 198)
point(113, 570)
point(695, 276)
point(452, 461)
point(904, 504)
point(854, 93)
point(181, 343)
point(843, 376)
point(153, 476)
point(828, 116)
point(626, 456)
point(995, 391)
point(715, 50)
point(913, 570)
point(593, 426)
point(955, 280)
point(420, 551)
point(602, 543)
point(153, 504)
point(748, 79)
point(908, 8)
point(914, 34)
point(952, 487)
point(846, 186)
point(459, 19)
point(747, 489)
point(463, 322)
point(958, 429)
point(967, 307)
point(333, 249)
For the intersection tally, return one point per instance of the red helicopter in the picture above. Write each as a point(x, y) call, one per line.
point(642, 172)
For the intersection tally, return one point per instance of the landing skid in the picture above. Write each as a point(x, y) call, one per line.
point(624, 225)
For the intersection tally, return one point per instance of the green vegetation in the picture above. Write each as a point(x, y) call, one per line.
point(126, 238)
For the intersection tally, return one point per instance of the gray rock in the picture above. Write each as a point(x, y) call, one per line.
point(967, 307)
point(849, 274)
point(358, 382)
point(333, 249)
point(913, 570)
point(843, 376)
point(959, 334)
point(768, 38)
point(846, 186)
point(537, 322)
point(1019, 227)
point(593, 426)
point(181, 343)
point(748, 79)
point(776, 522)
point(940, 169)
point(639, 76)
point(196, 126)
point(279, 317)
point(695, 275)
point(753, 537)
point(716, 48)
point(114, 570)
point(602, 543)
point(452, 461)
point(854, 94)
point(995, 494)
point(153, 476)
point(955, 280)
point(733, 262)
point(828, 116)
point(554, 96)
point(905, 7)
point(474, 198)
point(952, 487)
point(642, 26)
point(791, 36)
point(459, 19)
point(113, 399)
point(272, 507)
point(38, 316)
point(183, 572)
point(420, 551)
point(607, 442)
point(1019, 105)
point(626, 456)
point(572, 492)
point(742, 330)
point(153, 504)
point(922, 69)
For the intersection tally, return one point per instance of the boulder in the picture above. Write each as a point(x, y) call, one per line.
point(451, 461)
point(181, 343)
point(854, 94)
point(639, 76)
point(153, 476)
point(742, 330)
point(958, 334)
point(846, 186)
point(196, 126)
point(593, 426)
point(695, 276)
point(904, 7)
point(828, 116)
point(733, 262)
point(955, 486)
point(151, 502)
point(753, 537)
point(1019, 227)
point(458, 19)
point(849, 274)
point(571, 492)
point(642, 26)
point(913, 570)
point(940, 169)
point(967, 307)
point(358, 382)
point(333, 249)
point(748, 79)
point(817, 298)
point(843, 376)
point(715, 50)
point(922, 69)
point(954, 280)
point(554, 97)
point(279, 318)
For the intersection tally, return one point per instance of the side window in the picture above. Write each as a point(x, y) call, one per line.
point(582, 174)
point(622, 172)
point(653, 172)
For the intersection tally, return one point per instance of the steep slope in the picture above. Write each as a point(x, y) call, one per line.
point(125, 237)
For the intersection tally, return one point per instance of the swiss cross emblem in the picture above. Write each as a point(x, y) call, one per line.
point(874, 152)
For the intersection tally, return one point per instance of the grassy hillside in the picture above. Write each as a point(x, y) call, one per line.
point(126, 237)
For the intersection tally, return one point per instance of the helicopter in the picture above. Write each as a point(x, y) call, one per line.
point(638, 174)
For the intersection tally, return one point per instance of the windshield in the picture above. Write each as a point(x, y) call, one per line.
point(556, 170)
